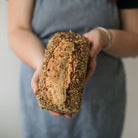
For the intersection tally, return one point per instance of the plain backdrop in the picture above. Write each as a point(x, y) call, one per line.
point(10, 124)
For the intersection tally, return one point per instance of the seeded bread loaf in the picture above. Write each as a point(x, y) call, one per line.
point(61, 80)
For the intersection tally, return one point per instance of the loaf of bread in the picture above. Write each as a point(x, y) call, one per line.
point(61, 80)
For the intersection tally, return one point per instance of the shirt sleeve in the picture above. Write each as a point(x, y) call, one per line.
point(127, 4)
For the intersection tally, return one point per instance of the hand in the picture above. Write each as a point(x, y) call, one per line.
point(99, 40)
point(34, 85)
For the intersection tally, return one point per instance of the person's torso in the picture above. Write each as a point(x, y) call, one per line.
point(80, 16)
point(104, 94)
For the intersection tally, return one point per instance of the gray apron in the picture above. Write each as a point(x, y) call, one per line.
point(103, 106)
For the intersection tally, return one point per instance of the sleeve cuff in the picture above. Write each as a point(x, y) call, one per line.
point(122, 4)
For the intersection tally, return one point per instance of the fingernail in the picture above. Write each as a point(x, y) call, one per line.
point(68, 117)
point(35, 89)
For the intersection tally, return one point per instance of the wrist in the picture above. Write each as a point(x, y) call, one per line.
point(38, 63)
point(108, 38)
point(38, 67)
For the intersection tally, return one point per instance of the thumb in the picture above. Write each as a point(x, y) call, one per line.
point(34, 82)
point(91, 68)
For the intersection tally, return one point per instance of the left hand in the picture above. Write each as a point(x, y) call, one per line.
point(99, 40)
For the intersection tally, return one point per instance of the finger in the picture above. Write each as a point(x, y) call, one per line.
point(91, 69)
point(68, 116)
point(35, 89)
point(88, 76)
point(34, 82)
point(91, 62)
point(55, 113)
point(34, 79)
point(87, 35)
point(95, 46)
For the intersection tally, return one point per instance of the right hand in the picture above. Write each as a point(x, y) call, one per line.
point(34, 85)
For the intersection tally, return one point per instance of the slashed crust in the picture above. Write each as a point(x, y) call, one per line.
point(61, 80)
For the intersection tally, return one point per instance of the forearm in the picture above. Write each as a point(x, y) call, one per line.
point(125, 44)
point(27, 47)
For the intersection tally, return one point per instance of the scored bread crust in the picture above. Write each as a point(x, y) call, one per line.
point(61, 80)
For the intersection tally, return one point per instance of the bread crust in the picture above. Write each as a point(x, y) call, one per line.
point(61, 80)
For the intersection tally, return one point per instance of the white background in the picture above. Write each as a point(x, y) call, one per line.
point(10, 125)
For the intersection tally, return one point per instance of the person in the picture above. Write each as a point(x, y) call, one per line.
point(32, 23)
